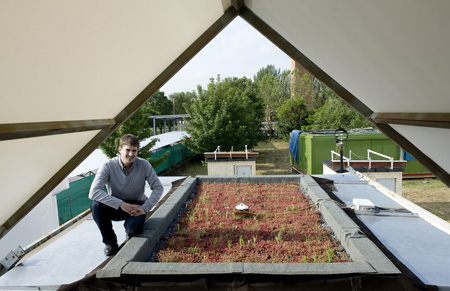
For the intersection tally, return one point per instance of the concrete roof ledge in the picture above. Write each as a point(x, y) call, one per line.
point(308, 268)
point(366, 257)
point(139, 268)
point(134, 249)
point(251, 179)
point(363, 249)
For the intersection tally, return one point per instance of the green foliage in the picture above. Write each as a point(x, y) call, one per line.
point(270, 70)
point(293, 112)
point(274, 89)
point(301, 86)
point(227, 114)
point(158, 104)
point(320, 95)
point(137, 124)
point(181, 100)
point(292, 115)
point(336, 114)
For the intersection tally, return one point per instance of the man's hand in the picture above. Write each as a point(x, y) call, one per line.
point(132, 209)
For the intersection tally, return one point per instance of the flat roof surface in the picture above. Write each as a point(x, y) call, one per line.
point(416, 243)
point(419, 245)
point(74, 253)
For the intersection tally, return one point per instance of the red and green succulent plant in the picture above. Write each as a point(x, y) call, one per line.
point(282, 227)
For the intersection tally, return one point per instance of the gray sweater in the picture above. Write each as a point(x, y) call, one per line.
point(122, 185)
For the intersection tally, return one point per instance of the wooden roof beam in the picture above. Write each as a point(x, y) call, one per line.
point(34, 129)
point(438, 120)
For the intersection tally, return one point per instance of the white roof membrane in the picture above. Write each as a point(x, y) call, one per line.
point(418, 244)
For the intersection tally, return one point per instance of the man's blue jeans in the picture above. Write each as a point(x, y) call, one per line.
point(104, 215)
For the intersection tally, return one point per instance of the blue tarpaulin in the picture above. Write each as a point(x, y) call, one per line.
point(293, 144)
point(407, 157)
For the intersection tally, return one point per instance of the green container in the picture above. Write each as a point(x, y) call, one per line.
point(314, 148)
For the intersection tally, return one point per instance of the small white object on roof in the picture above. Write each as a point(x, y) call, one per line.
point(242, 206)
point(362, 204)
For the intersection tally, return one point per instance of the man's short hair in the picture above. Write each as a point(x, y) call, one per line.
point(129, 139)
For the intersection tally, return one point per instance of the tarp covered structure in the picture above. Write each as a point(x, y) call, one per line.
point(72, 71)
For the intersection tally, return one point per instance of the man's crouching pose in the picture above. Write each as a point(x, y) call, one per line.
point(124, 178)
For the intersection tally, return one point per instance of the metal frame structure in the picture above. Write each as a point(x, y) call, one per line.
point(388, 122)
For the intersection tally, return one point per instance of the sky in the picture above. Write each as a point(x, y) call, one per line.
point(237, 51)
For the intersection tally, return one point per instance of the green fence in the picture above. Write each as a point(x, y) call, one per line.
point(74, 200)
point(178, 153)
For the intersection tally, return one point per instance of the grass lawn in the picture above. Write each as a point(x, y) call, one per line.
point(273, 160)
point(430, 194)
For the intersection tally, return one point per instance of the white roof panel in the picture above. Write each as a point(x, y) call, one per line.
point(87, 60)
point(434, 142)
point(392, 55)
point(30, 162)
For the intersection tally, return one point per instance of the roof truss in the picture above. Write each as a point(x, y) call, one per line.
point(107, 126)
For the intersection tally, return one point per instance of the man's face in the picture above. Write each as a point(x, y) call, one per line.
point(128, 154)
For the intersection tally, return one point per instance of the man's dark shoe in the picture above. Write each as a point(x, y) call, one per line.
point(111, 250)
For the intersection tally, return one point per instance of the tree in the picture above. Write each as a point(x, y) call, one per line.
point(292, 115)
point(227, 114)
point(320, 95)
point(301, 86)
point(181, 100)
point(274, 89)
point(269, 70)
point(158, 104)
point(293, 112)
point(137, 124)
point(336, 114)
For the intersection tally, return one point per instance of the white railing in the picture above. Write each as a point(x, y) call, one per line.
point(333, 153)
point(391, 159)
point(215, 152)
point(231, 152)
point(348, 160)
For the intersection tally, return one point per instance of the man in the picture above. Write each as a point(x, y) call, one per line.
point(124, 178)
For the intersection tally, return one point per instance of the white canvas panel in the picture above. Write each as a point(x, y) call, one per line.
point(27, 164)
point(76, 60)
point(41, 220)
point(434, 142)
point(392, 55)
